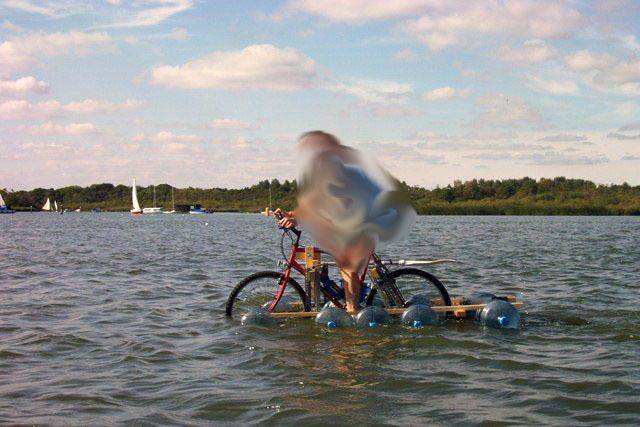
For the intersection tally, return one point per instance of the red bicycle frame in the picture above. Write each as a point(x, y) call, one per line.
point(292, 263)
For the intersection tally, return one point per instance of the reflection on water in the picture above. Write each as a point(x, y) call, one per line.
point(105, 318)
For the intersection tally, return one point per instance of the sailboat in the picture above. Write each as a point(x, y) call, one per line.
point(58, 208)
point(154, 209)
point(47, 205)
point(173, 204)
point(3, 207)
point(134, 199)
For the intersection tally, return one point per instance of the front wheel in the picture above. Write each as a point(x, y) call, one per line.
point(412, 281)
point(260, 289)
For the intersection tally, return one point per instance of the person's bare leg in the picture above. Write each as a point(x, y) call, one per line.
point(352, 287)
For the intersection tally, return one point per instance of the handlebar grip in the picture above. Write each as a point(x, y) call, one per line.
point(279, 216)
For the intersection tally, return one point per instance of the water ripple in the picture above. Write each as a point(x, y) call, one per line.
point(118, 320)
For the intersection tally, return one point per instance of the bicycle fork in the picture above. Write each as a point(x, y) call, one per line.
point(380, 277)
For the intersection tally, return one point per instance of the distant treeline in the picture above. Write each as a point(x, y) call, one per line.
point(526, 196)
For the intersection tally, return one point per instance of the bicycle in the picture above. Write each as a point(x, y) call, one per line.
point(394, 287)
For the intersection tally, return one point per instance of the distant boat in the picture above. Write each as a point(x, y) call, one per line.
point(4, 209)
point(197, 210)
point(134, 199)
point(173, 204)
point(47, 205)
point(78, 210)
point(154, 209)
point(267, 211)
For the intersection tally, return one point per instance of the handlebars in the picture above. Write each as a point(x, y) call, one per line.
point(294, 230)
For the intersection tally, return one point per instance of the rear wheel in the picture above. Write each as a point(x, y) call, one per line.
point(410, 282)
point(261, 288)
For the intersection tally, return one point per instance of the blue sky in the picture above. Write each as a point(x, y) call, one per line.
point(215, 93)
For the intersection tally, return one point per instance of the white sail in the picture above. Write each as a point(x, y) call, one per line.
point(47, 205)
point(55, 206)
point(134, 197)
point(2, 203)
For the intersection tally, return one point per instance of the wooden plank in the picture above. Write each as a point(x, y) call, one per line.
point(450, 308)
point(396, 311)
point(294, 314)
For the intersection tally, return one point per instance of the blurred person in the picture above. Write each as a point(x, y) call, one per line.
point(349, 205)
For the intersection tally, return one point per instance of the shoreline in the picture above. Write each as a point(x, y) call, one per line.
point(509, 197)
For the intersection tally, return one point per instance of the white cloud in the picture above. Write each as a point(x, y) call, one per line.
point(531, 52)
point(21, 52)
point(50, 128)
point(153, 12)
point(392, 110)
point(462, 21)
point(23, 86)
point(230, 124)
point(445, 92)
point(170, 137)
point(358, 11)
point(553, 158)
point(630, 127)
point(10, 26)
point(555, 87)
point(405, 55)
point(179, 34)
point(49, 8)
point(564, 137)
point(584, 60)
point(623, 111)
point(630, 42)
point(607, 73)
point(504, 111)
point(254, 67)
point(21, 109)
point(241, 143)
point(545, 158)
point(623, 136)
point(620, 73)
point(467, 144)
point(374, 91)
point(628, 132)
point(89, 106)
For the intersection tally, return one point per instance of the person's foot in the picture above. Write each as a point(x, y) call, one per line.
point(353, 310)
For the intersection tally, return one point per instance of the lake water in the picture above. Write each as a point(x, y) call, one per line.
point(110, 319)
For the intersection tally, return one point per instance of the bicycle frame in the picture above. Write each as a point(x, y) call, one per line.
point(381, 278)
point(293, 264)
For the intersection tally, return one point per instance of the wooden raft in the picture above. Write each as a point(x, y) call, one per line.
point(457, 308)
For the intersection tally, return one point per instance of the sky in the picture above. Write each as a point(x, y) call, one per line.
point(215, 93)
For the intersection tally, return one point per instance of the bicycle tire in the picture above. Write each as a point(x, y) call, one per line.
point(433, 280)
point(262, 275)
